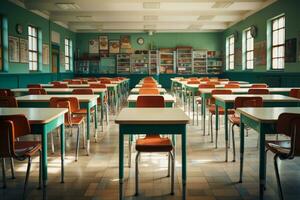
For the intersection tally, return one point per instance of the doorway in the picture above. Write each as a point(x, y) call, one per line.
point(55, 58)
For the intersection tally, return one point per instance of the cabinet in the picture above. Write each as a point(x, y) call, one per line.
point(167, 61)
point(214, 62)
point(184, 60)
point(199, 62)
point(139, 62)
point(123, 63)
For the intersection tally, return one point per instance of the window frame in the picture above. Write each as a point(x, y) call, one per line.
point(68, 46)
point(249, 50)
point(1, 45)
point(228, 50)
point(279, 45)
point(31, 50)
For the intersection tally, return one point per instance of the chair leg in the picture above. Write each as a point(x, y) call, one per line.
point(169, 163)
point(197, 110)
point(77, 143)
point(12, 166)
point(278, 177)
point(233, 142)
point(27, 174)
point(52, 143)
point(107, 114)
point(129, 151)
point(217, 132)
point(3, 173)
point(211, 129)
point(40, 170)
point(83, 134)
point(173, 172)
point(137, 173)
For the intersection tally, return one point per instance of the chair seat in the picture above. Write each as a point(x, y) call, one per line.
point(279, 146)
point(27, 148)
point(234, 119)
point(212, 109)
point(75, 120)
point(154, 144)
point(82, 111)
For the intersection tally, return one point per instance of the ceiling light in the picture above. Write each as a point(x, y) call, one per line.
point(151, 5)
point(224, 4)
point(67, 6)
point(84, 18)
point(150, 18)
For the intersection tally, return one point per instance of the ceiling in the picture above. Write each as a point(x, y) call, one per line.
point(147, 15)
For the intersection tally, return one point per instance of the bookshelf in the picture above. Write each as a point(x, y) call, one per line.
point(167, 61)
point(184, 60)
point(123, 63)
point(139, 62)
point(153, 62)
point(214, 62)
point(199, 62)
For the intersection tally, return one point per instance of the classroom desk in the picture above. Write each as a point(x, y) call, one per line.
point(137, 90)
point(98, 91)
point(169, 100)
point(140, 85)
point(269, 100)
point(152, 120)
point(205, 94)
point(263, 120)
point(43, 121)
point(86, 101)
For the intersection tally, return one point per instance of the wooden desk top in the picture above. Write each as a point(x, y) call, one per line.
point(244, 90)
point(152, 116)
point(78, 85)
point(167, 97)
point(266, 97)
point(46, 98)
point(267, 115)
point(59, 90)
point(140, 85)
point(136, 90)
point(35, 115)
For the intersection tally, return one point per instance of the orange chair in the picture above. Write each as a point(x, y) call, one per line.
point(83, 91)
point(232, 86)
point(259, 86)
point(84, 82)
point(105, 81)
point(61, 85)
point(6, 92)
point(153, 143)
point(70, 120)
point(149, 91)
point(105, 100)
point(258, 91)
point(204, 79)
point(13, 127)
point(212, 110)
point(213, 83)
point(8, 101)
point(75, 82)
point(149, 85)
point(56, 82)
point(40, 91)
point(295, 93)
point(241, 102)
point(193, 82)
point(34, 86)
point(288, 124)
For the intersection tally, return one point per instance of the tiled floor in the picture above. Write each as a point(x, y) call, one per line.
point(209, 177)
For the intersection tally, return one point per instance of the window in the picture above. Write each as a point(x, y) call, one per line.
point(1, 44)
point(230, 53)
point(278, 41)
point(249, 50)
point(67, 54)
point(33, 48)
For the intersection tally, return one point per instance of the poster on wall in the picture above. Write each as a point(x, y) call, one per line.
point(238, 57)
point(103, 42)
point(125, 42)
point(23, 50)
point(290, 53)
point(260, 53)
point(45, 54)
point(114, 46)
point(93, 46)
point(14, 54)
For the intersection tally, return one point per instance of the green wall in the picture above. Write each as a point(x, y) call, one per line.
point(210, 41)
point(291, 10)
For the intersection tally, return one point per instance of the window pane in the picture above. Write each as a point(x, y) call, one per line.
point(34, 44)
point(275, 38)
point(275, 24)
point(34, 66)
point(281, 36)
point(274, 64)
point(281, 22)
point(281, 51)
point(34, 56)
point(281, 63)
point(275, 52)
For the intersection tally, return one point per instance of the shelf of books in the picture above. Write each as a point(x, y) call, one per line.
point(184, 60)
point(123, 63)
point(214, 62)
point(139, 62)
point(153, 62)
point(167, 61)
point(199, 62)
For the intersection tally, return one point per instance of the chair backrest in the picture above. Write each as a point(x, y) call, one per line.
point(213, 92)
point(295, 93)
point(74, 103)
point(148, 91)
point(84, 82)
point(60, 85)
point(289, 124)
point(150, 101)
point(8, 101)
point(21, 124)
point(260, 85)
point(213, 83)
point(7, 138)
point(34, 86)
point(97, 85)
point(223, 79)
point(65, 104)
point(241, 102)
point(83, 91)
point(6, 92)
point(149, 85)
point(193, 78)
point(55, 82)
point(207, 86)
point(105, 81)
point(75, 82)
point(232, 86)
point(204, 79)
point(193, 82)
point(37, 91)
point(258, 91)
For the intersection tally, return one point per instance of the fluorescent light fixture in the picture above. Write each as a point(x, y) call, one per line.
point(221, 4)
point(150, 18)
point(151, 5)
point(67, 6)
point(84, 18)
point(149, 26)
point(206, 17)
